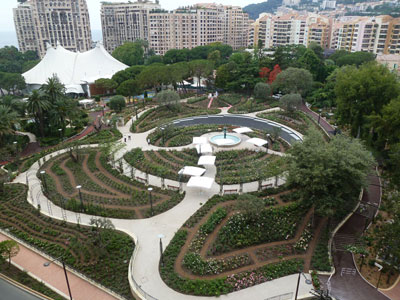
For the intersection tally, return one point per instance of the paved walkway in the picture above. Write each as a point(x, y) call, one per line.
point(54, 277)
point(145, 232)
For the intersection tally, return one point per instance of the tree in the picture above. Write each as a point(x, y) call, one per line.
point(179, 72)
point(8, 118)
point(117, 103)
point(250, 205)
point(38, 105)
point(154, 76)
point(290, 102)
point(107, 84)
point(294, 80)
point(101, 226)
point(311, 62)
point(176, 55)
point(264, 72)
point(329, 175)
point(215, 57)
point(274, 73)
point(168, 98)
point(129, 73)
point(362, 92)
point(130, 53)
point(53, 89)
point(8, 249)
point(355, 58)
point(129, 88)
point(200, 68)
point(12, 82)
point(386, 124)
point(262, 91)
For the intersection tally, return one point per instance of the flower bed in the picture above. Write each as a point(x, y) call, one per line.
point(104, 260)
point(320, 259)
point(105, 191)
point(162, 115)
point(243, 230)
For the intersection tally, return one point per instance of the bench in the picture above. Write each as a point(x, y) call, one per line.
point(230, 191)
point(171, 187)
point(264, 186)
point(141, 179)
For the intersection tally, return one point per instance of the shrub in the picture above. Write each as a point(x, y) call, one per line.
point(117, 103)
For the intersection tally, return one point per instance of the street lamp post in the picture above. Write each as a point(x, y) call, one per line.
point(60, 131)
point(46, 264)
point(162, 133)
point(308, 281)
point(43, 179)
point(80, 197)
point(151, 200)
point(161, 236)
point(319, 115)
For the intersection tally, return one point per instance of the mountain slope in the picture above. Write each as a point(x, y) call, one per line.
point(254, 10)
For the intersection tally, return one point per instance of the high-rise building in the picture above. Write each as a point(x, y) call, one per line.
point(123, 22)
point(379, 35)
point(186, 27)
point(291, 28)
point(38, 22)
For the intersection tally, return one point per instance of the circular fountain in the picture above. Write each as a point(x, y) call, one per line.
point(224, 139)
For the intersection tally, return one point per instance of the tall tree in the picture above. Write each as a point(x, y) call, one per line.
point(200, 68)
point(329, 175)
point(8, 118)
point(262, 91)
point(38, 105)
point(294, 80)
point(53, 90)
point(362, 92)
point(130, 53)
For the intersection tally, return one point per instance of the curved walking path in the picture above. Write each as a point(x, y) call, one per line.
point(144, 265)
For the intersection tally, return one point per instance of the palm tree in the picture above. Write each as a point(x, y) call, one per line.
point(37, 105)
point(53, 89)
point(63, 109)
point(8, 118)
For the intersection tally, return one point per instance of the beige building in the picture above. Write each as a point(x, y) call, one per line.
point(291, 28)
point(391, 61)
point(186, 27)
point(379, 35)
point(38, 22)
point(123, 22)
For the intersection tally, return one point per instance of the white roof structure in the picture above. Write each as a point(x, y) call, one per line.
point(191, 171)
point(74, 69)
point(206, 160)
point(257, 141)
point(200, 182)
point(204, 148)
point(199, 140)
point(242, 130)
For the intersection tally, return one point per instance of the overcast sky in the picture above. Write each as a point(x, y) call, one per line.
point(7, 24)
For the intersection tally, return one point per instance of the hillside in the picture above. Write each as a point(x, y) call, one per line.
point(254, 10)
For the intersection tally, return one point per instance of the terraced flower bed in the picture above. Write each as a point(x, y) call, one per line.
point(232, 166)
point(101, 254)
point(251, 249)
point(105, 191)
point(162, 115)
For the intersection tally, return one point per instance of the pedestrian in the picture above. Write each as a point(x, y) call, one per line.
point(129, 137)
point(148, 141)
point(124, 139)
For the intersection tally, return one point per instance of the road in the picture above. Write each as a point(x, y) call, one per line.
point(11, 292)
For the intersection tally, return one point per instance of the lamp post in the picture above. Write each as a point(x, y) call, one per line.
point(161, 236)
point(46, 264)
point(308, 281)
point(319, 115)
point(162, 133)
point(80, 197)
point(60, 131)
point(151, 200)
point(43, 179)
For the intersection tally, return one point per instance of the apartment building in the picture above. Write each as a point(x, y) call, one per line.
point(38, 22)
point(379, 35)
point(186, 27)
point(123, 22)
point(291, 28)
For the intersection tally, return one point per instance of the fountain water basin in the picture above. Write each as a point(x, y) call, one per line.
point(227, 140)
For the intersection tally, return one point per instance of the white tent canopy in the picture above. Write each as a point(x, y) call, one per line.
point(200, 182)
point(191, 171)
point(242, 130)
point(207, 160)
point(204, 148)
point(73, 69)
point(257, 142)
point(199, 140)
